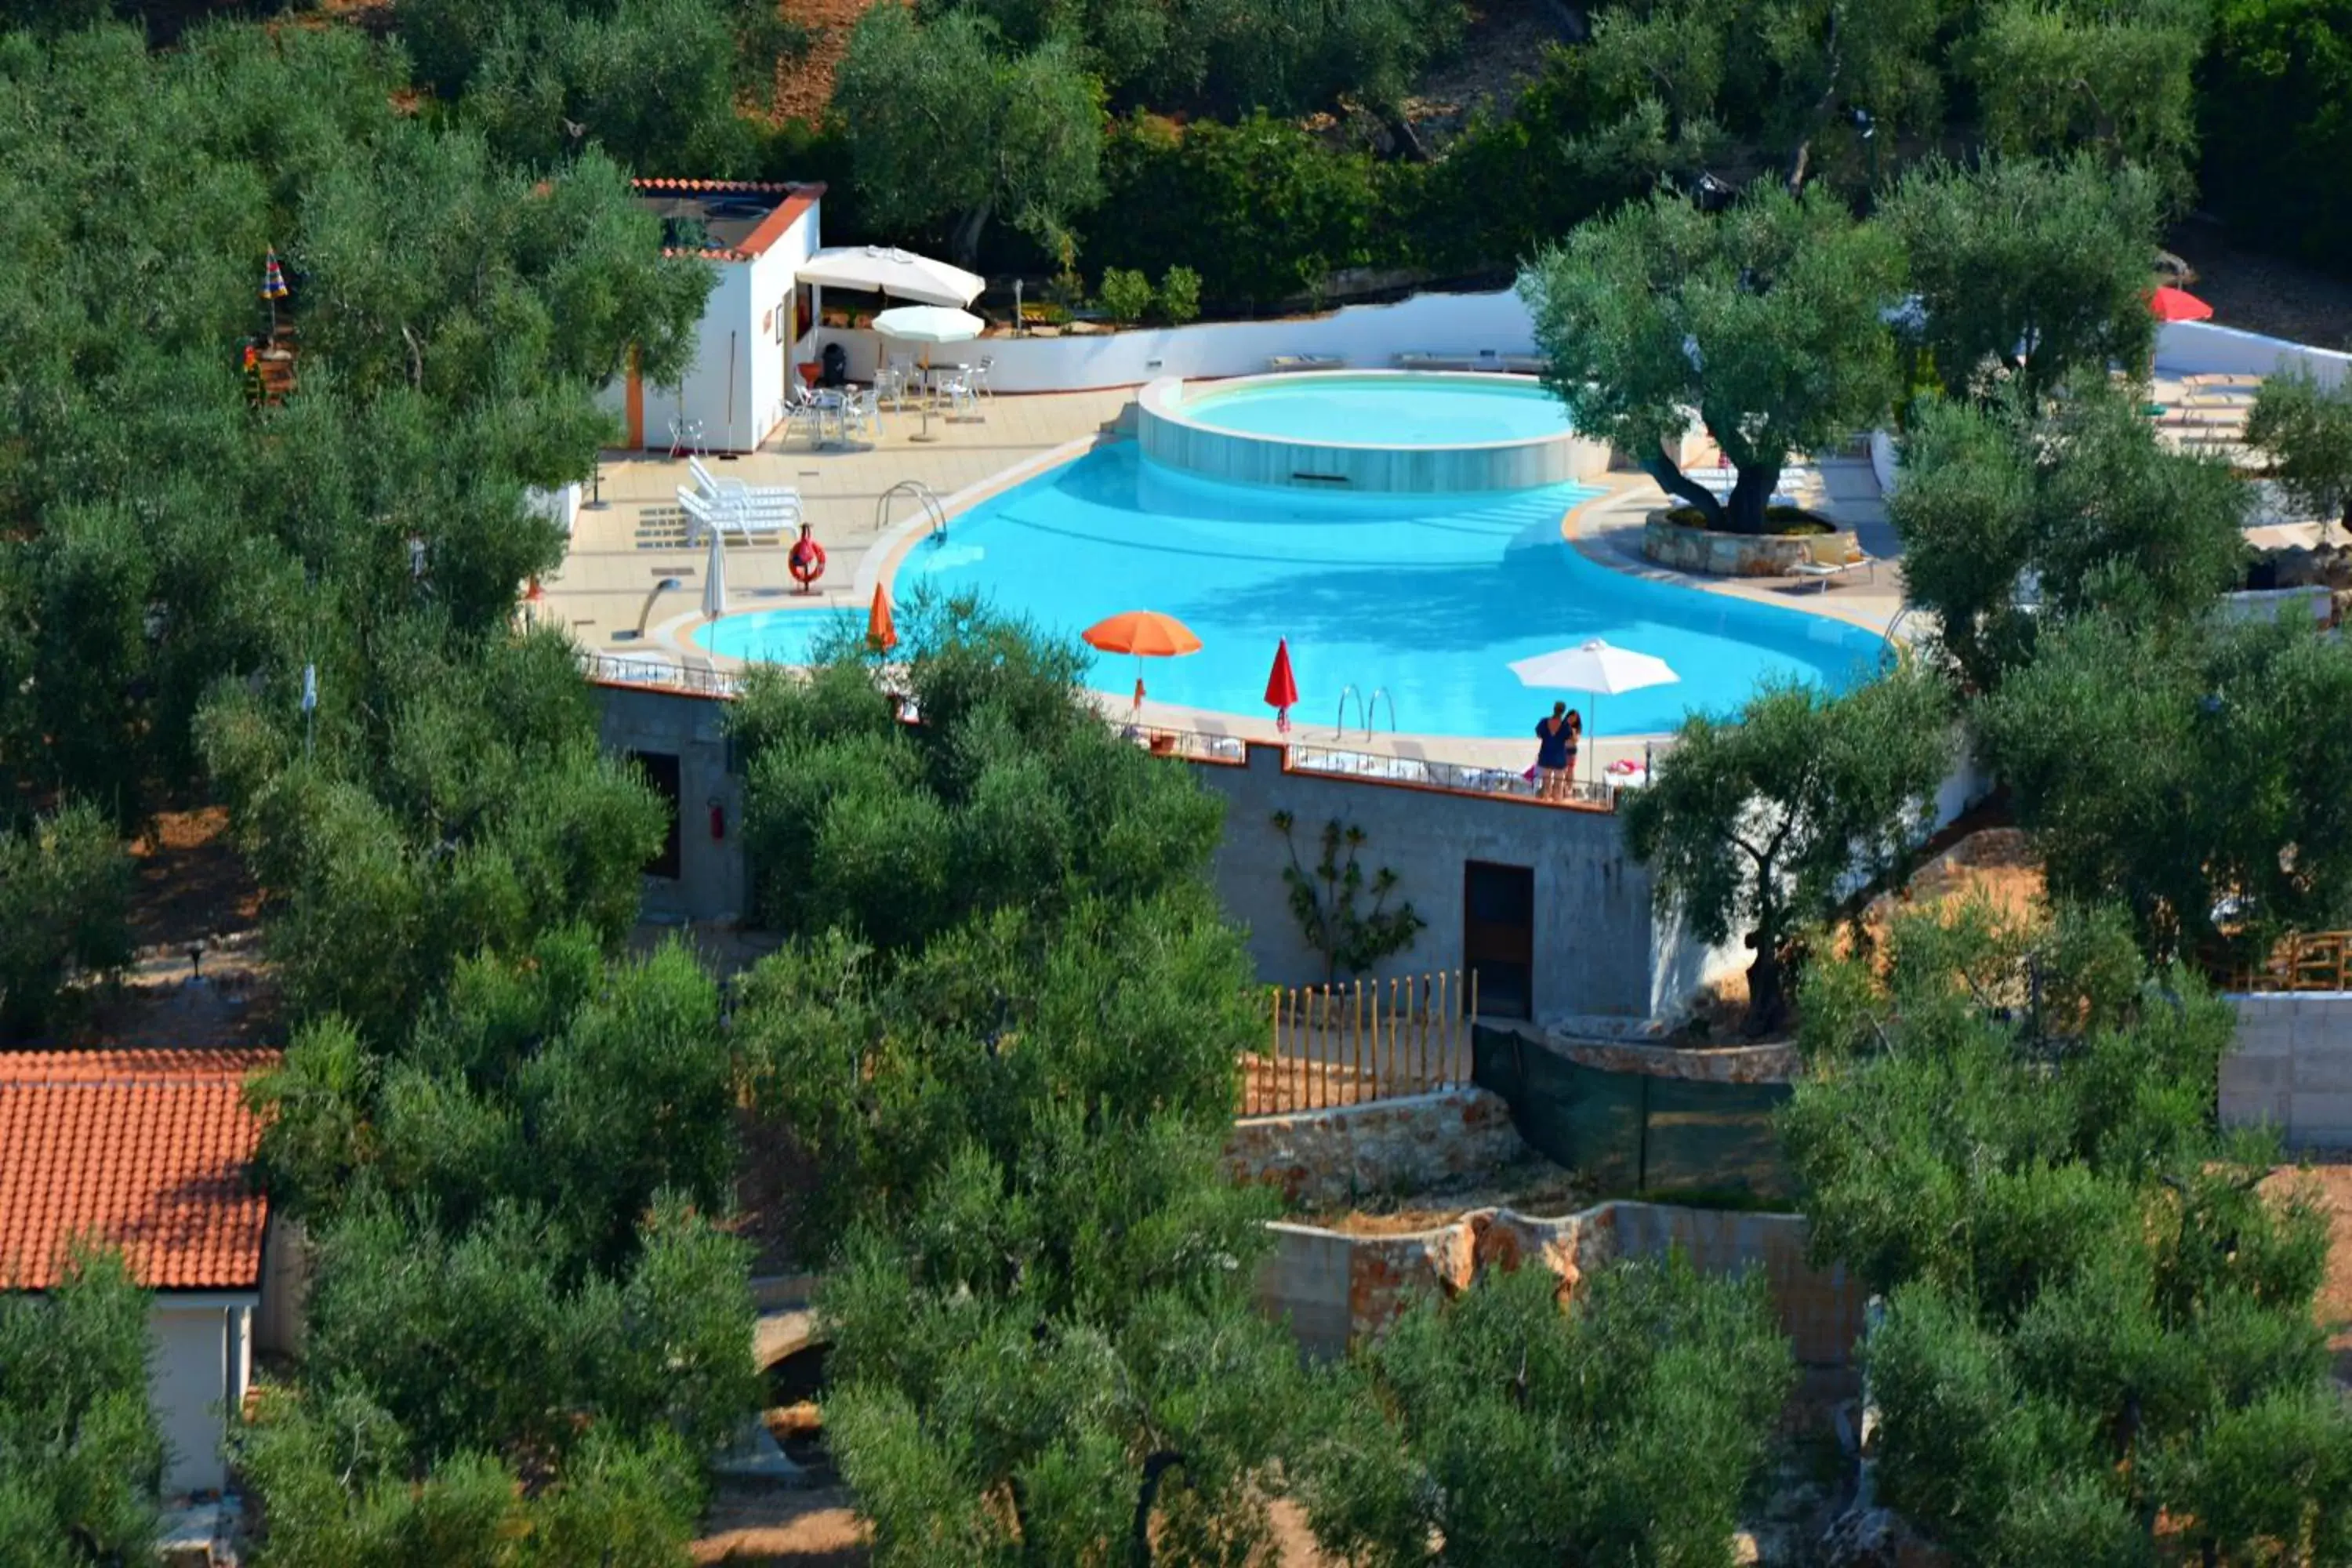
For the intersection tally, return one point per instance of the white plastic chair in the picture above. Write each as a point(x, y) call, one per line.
point(861, 415)
point(684, 435)
point(956, 388)
point(979, 377)
point(799, 407)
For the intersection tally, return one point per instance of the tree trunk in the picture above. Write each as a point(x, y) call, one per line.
point(1749, 496)
point(1768, 987)
point(965, 241)
point(1140, 1533)
point(1674, 482)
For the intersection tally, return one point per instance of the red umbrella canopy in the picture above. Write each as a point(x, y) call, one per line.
point(2172, 304)
point(1281, 686)
point(881, 631)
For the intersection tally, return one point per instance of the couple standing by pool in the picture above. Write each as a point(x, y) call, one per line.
point(1556, 743)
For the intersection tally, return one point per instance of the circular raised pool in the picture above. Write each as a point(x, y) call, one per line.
point(1434, 432)
point(1426, 598)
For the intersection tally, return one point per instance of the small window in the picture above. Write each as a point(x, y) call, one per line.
point(661, 773)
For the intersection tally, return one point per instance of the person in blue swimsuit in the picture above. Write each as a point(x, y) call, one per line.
point(1556, 751)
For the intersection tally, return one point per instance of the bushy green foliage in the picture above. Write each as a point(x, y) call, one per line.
point(1766, 319)
point(948, 130)
point(449, 805)
point(64, 897)
point(2306, 431)
point(1003, 1042)
point(163, 537)
point(2099, 1324)
point(345, 1484)
point(1284, 56)
point(1179, 296)
point(1324, 902)
point(1126, 295)
point(2113, 76)
point(2026, 271)
point(2276, 117)
point(2185, 772)
point(80, 1454)
point(1760, 827)
point(1262, 210)
point(2016, 517)
point(1513, 1432)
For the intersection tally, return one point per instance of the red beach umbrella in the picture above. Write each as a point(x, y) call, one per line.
point(881, 631)
point(2172, 304)
point(1281, 686)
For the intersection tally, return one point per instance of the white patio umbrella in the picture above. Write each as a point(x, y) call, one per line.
point(1596, 669)
point(714, 578)
point(929, 325)
point(898, 273)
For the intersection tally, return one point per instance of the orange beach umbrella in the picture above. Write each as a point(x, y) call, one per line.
point(1147, 634)
point(881, 632)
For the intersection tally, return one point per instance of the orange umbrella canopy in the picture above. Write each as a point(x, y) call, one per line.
point(1147, 634)
point(881, 632)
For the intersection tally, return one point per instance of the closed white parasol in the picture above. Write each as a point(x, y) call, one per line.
point(1596, 668)
point(900, 274)
point(714, 578)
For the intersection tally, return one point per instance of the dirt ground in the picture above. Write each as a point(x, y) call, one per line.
point(819, 1529)
point(2262, 293)
point(191, 884)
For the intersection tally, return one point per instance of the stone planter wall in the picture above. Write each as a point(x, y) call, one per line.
point(1337, 1289)
point(1339, 1155)
point(1714, 555)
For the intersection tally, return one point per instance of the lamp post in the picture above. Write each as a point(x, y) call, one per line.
point(1867, 129)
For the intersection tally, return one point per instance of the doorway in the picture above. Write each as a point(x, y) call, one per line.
point(661, 774)
point(1498, 936)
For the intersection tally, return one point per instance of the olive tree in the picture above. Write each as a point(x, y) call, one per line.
point(2098, 1343)
point(2028, 270)
point(2116, 77)
point(946, 130)
point(65, 896)
point(2305, 429)
point(1761, 826)
point(1766, 319)
point(2016, 517)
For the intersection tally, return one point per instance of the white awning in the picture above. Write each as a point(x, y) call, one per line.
point(900, 274)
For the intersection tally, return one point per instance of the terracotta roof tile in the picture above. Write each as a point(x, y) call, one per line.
point(144, 1149)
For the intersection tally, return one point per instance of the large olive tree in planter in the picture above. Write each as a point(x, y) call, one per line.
point(1767, 319)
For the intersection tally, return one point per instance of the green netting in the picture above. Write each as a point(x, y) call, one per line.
point(1633, 1132)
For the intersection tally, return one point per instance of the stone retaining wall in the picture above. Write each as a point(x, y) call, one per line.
point(1337, 1289)
point(1342, 1154)
point(1714, 555)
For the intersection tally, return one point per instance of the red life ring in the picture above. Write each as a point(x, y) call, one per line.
point(807, 562)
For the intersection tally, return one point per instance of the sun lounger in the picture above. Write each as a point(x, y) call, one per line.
point(774, 513)
point(1832, 559)
point(1306, 362)
point(1419, 360)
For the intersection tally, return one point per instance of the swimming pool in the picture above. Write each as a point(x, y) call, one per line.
point(1434, 410)
point(1428, 598)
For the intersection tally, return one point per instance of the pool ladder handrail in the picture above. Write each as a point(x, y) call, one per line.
point(1365, 710)
point(925, 497)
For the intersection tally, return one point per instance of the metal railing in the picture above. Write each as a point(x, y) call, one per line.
point(2308, 960)
point(926, 501)
point(660, 673)
point(1330, 1045)
point(1438, 774)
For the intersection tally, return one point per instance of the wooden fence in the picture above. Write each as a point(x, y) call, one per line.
point(1330, 1046)
point(2311, 961)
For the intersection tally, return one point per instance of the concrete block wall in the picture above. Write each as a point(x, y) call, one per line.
point(713, 881)
point(1385, 1146)
point(2291, 1068)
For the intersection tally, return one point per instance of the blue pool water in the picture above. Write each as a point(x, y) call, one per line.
point(1429, 596)
point(1438, 411)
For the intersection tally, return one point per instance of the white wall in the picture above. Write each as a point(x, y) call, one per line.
point(2190, 348)
point(203, 1361)
point(1365, 336)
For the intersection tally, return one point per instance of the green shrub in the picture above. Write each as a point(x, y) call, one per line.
point(2276, 113)
point(1179, 296)
point(64, 895)
point(1126, 295)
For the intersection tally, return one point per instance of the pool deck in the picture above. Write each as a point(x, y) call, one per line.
point(635, 538)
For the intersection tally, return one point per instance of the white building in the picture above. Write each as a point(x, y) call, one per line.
point(757, 325)
point(148, 1151)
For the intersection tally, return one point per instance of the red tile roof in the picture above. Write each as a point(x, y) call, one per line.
point(798, 199)
point(144, 1149)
